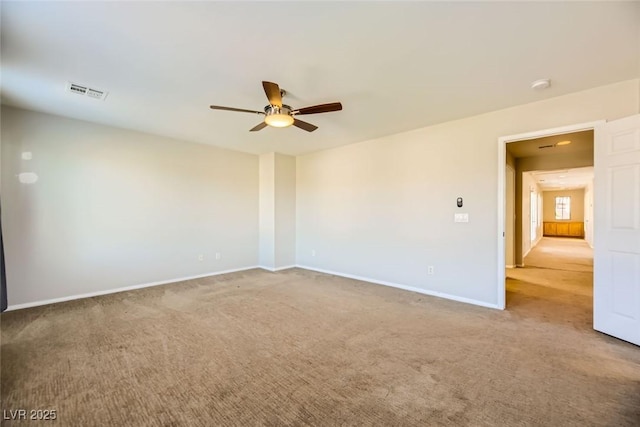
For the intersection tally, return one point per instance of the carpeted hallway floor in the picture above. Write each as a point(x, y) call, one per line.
point(304, 348)
point(556, 284)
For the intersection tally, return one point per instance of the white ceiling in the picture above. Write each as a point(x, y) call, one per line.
point(565, 179)
point(394, 66)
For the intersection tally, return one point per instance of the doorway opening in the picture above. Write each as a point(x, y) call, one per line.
point(538, 159)
point(554, 278)
point(554, 275)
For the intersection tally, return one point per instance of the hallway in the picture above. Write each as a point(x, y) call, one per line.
point(556, 284)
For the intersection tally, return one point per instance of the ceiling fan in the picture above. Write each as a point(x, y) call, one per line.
point(281, 115)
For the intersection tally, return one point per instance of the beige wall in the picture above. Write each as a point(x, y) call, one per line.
point(267, 207)
point(511, 161)
point(277, 211)
point(285, 220)
point(577, 205)
point(115, 208)
point(556, 161)
point(383, 209)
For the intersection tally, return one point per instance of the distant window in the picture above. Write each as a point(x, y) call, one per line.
point(563, 207)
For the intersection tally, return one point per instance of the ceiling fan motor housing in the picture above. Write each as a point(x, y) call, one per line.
point(274, 109)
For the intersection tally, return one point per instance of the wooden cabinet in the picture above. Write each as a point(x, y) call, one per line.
point(564, 229)
point(549, 229)
point(576, 229)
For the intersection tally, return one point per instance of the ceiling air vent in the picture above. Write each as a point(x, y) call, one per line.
point(86, 91)
point(74, 88)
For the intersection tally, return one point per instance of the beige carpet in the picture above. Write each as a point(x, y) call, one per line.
point(303, 348)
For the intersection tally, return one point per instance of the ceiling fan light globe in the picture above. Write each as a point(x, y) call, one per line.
point(279, 120)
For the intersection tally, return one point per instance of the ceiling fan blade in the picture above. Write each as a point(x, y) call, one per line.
point(272, 91)
point(304, 125)
point(322, 108)
point(240, 110)
point(258, 127)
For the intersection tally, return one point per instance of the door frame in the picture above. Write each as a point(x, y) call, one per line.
point(502, 163)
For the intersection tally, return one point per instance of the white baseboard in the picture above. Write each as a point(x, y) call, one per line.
point(534, 244)
point(510, 266)
point(404, 287)
point(126, 288)
point(273, 270)
point(181, 279)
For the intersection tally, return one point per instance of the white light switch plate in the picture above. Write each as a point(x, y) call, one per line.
point(461, 217)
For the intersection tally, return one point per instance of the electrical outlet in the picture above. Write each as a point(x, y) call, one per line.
point(313, 252)
point(217, 255)
point(430, 270)
point(200, 257)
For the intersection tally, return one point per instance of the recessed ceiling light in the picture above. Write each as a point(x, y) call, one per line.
point(541, 84)
point(563, 143)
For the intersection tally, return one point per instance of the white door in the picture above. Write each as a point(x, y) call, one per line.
point(616, 299)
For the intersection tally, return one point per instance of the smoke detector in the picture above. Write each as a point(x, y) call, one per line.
point(540, 84)
point(84, 90)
